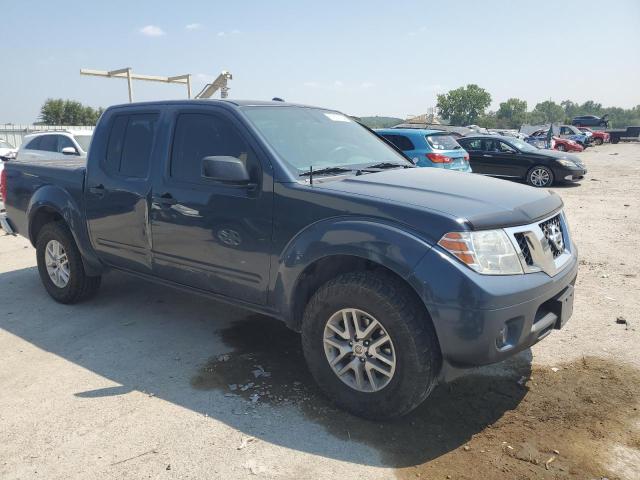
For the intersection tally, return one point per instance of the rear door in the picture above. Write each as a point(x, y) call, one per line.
point(475, 149)
point(117, 191)
point(206, 234)
point(496, 157)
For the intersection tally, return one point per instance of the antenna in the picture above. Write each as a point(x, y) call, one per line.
point(310, 174)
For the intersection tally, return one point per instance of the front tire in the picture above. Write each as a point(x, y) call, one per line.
point(598, 141)
point(540, 177)
point(60, 265)
point(561, 148)
point(397, 354)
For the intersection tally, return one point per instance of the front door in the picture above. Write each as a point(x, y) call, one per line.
point(206, 234)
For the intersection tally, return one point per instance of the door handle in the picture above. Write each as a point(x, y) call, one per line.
point(487, 155)
point(97, 190)
point(165, 199)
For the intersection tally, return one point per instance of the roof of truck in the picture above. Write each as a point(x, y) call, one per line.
point(238, 103)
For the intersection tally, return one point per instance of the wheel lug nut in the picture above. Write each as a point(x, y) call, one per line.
point(351, 344)
point(362, 359)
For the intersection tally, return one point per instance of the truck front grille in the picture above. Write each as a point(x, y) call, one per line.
point(524, 248)
point(543, 246)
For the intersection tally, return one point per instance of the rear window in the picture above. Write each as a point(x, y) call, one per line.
point(33, 144)
point(130, 144)
point(400, 141)
point(442, 142)
point(49, 143)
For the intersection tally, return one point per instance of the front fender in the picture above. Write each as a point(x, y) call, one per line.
point(54, 198)
point(391, 246)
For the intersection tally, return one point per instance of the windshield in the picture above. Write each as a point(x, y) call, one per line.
point(4, 144)
point(309, 137)
point(442, 142)
point(522, 146)
point(84, 141)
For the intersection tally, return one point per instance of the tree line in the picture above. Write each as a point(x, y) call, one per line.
point(468, 105)
point(68, 112)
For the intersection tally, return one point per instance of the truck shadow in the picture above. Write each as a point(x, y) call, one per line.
point(243, 369)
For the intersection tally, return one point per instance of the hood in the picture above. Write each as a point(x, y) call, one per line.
point(560, 155)
point(482, 202)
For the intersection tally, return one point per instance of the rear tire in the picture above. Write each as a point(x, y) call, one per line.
point(540, 177)
point(402, 326)
point(61, 270)
point(598, 141)
point(561, 148)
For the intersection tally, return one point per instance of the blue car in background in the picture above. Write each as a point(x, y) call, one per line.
point(428, 148)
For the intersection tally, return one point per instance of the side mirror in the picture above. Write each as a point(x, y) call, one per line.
point(69, 151)
point(225, 169)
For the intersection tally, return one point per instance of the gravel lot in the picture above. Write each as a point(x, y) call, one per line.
point(147, 382)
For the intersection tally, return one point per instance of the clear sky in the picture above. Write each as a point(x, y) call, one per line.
point(361, 57)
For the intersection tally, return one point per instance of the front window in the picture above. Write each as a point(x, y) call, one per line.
point(442, 142)
point(522, 146)
point(309, 137)
point(83, 141)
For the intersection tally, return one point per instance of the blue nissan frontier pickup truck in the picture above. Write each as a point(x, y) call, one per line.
point(395, 276)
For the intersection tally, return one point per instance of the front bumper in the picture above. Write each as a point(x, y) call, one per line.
point(570, 174)
point(470, 312)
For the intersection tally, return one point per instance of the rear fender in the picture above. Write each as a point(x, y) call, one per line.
point(53, 198)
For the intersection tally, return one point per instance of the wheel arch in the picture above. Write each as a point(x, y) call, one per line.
point(53, 204)
point(330, 248)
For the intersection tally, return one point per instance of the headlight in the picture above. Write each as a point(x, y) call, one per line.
point(489, 252)
point(566, 163)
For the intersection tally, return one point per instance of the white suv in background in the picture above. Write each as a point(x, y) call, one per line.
point(55, 145)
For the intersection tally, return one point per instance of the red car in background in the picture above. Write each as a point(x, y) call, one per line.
point(566, 145)
point(539, 138)
point(598, 137)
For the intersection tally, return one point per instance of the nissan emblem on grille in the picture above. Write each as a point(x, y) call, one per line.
point(553, 233)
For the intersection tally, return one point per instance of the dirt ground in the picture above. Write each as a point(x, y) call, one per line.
point(147, 382)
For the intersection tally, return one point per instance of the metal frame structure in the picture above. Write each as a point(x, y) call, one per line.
point(125, 73)
point(220, 83)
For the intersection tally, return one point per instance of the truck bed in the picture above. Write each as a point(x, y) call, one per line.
point(26, 178)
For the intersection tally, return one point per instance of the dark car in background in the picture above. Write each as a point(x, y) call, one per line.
point(590, 121)
point(510, 157)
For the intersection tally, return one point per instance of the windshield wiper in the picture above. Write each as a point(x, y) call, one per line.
point(385, 165)
point(325, 171)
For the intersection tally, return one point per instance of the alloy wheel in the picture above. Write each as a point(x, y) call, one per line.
point(359, 350)
point(540, 177)
point(57, 263)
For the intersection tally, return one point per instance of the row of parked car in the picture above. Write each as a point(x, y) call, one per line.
point(504, 156)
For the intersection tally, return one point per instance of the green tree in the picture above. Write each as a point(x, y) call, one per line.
point(512, 113)
point(464, 105)
point(488, 120)
point(68, 112)
point(52, 112)
point(547, 112)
